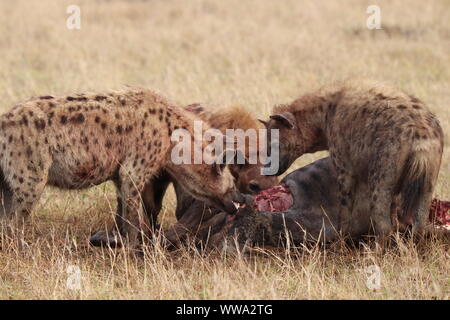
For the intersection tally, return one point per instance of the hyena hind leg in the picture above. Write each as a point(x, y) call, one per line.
point(21, 192)
point(382, 202)
point(422, 224)
point(152, 197)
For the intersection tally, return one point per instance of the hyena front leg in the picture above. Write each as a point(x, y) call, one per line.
point(110, 238)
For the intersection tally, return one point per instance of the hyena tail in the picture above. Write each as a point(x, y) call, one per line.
point(415, 186)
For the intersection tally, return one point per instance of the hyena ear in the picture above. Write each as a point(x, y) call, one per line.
point(195, 108)
point(285, 118)
point(264, 122)
point(223, 160)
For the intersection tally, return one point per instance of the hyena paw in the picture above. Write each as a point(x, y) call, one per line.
point(106, 239)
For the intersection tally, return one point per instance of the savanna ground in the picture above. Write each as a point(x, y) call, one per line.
point(253, 52)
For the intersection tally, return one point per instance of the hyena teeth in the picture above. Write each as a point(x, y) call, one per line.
point(239, 205)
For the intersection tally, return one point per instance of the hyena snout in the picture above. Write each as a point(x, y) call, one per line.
point(264, 182)
point(229, 202)
point(251, 180)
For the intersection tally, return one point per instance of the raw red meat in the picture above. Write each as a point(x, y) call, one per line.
point(440, 213)
point(274, 199)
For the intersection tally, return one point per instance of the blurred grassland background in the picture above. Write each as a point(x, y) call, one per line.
point(256, 53)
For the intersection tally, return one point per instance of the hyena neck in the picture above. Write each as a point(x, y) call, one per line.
point(310, 117)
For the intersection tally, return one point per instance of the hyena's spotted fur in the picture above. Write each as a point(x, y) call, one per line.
point(78, 141)
point(376, 135)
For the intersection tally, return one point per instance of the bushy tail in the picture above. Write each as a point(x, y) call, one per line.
point(415, 185)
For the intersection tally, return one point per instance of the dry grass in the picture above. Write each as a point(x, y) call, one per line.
point(253, 52)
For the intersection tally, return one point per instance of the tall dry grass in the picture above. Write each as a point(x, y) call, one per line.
point(256, 53)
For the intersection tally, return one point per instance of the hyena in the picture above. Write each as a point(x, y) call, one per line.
point(247, 176)
point(78, 141)
point(375, 134)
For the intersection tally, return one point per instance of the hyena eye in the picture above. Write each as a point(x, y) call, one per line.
point(218, 168)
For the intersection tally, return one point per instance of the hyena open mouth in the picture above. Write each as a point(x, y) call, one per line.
point(239, 205)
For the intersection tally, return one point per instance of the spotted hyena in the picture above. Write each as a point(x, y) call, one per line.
point(78, 141)
point(247, 176)
point(376, 135)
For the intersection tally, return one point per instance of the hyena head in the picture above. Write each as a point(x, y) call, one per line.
point(249, 180)
point(287, 144)
point(211, 183)
point(247, 174)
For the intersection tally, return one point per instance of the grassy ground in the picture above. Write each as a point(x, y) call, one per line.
point(253, 52)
